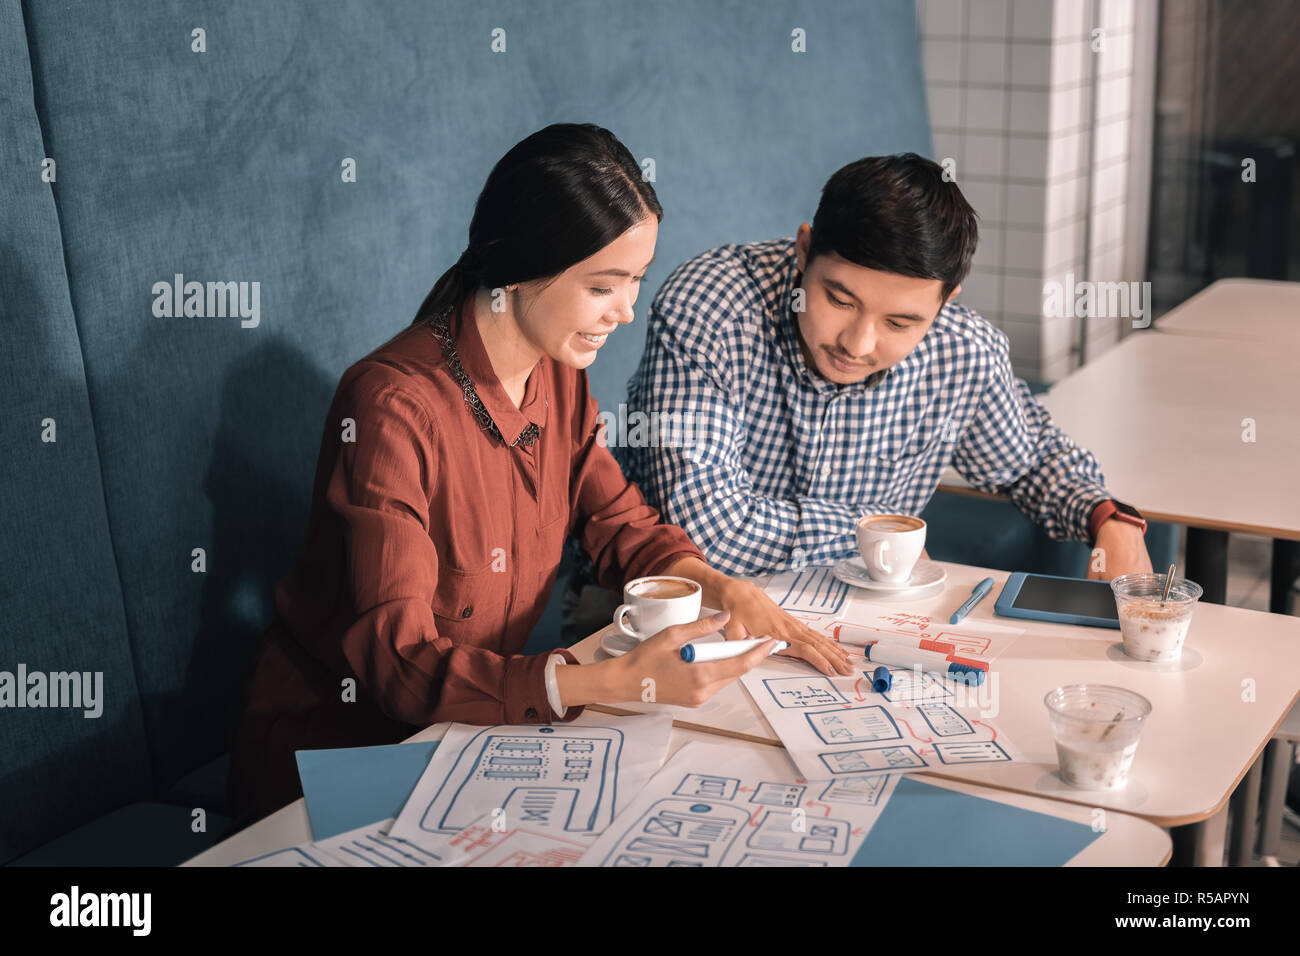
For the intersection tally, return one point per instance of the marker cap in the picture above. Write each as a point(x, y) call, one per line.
point(966, 674)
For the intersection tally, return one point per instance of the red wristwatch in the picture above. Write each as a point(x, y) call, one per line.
point(1111, 508)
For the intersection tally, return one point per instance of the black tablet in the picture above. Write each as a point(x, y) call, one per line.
point(1046, 597)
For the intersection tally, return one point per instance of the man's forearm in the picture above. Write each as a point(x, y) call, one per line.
point(757, 534)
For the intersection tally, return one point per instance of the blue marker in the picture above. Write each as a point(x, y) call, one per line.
point(896, 655)
point(977, 594)
point(881, 680)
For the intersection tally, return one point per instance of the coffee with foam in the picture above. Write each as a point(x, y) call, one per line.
point(891, 523)
point(664, 589)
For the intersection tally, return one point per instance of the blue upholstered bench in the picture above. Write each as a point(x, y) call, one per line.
point(144, 541)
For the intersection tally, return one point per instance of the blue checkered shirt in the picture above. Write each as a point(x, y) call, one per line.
point(768, 466)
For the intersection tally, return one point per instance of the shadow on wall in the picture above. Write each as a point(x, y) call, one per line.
point(259, 480)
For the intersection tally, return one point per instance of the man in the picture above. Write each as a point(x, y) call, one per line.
point(830, 376)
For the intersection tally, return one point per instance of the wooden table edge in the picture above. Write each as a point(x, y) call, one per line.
point(687, 725)
point(1152, 514)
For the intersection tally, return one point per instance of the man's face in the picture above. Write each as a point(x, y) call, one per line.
point(857, 321)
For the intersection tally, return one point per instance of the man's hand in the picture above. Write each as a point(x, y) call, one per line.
point(1120, 549)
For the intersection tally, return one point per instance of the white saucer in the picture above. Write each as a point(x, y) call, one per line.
point(854, 571)
point(616, 643)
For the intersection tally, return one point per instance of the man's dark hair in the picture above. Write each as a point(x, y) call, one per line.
point(897, 214)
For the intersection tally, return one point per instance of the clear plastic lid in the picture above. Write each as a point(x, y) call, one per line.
point(1097, 704)
point(1148, 586)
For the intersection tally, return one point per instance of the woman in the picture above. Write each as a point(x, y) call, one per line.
point(456, 460)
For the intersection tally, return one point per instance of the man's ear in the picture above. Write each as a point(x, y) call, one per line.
point(802, 240)
point(952, 295)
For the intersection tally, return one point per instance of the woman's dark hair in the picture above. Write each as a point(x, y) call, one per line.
point(556, 198)
point(897, 214)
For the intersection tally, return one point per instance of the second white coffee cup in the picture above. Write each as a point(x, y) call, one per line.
point(650, 604)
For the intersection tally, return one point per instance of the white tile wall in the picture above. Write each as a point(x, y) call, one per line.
point(1035, 118)
point(986, 62)
point(1072, 20)
point(989, 18)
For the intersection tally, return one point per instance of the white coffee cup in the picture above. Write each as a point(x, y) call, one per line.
point(655, 602)
point(890, 546)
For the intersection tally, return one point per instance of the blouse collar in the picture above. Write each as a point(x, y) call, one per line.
point(468, 363)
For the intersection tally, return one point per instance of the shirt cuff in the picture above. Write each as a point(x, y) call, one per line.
point(1078, 512)
point(525, 697)
point(553, 685)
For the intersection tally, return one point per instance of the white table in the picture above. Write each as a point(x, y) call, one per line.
point(1164, 416)
point(1256, 310)
point(1262, 310)
point(1198, 744)
point(1127, 840)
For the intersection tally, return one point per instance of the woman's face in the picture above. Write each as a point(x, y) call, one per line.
point(569, 317)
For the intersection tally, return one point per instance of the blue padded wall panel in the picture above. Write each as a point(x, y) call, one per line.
point(60, 600)
point(225, 166)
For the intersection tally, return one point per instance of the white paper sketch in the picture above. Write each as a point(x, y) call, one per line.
point(486, 842)
point(756, 810)
point(812, 591)
point(833, 727)
point(984, 640)
point(374, 846)
point(304, 854)
point(571, 777)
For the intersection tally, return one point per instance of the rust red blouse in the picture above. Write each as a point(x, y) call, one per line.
point(437, 522)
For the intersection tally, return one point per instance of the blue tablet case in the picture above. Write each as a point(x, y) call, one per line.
point(1011, 589)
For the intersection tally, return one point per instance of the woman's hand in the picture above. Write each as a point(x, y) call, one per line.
point(754, 614)
point(654, 672)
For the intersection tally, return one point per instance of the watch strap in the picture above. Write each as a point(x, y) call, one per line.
point(1110, 508)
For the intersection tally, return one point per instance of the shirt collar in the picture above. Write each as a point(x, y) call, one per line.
point(510, 421)
point(787, 324)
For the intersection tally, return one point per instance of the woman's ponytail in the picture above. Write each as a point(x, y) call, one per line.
point(452, 287)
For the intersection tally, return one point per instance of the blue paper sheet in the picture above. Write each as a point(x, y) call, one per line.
point(925, 825)
point(353, 786)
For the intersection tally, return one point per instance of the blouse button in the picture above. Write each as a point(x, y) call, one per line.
point(467, 611)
